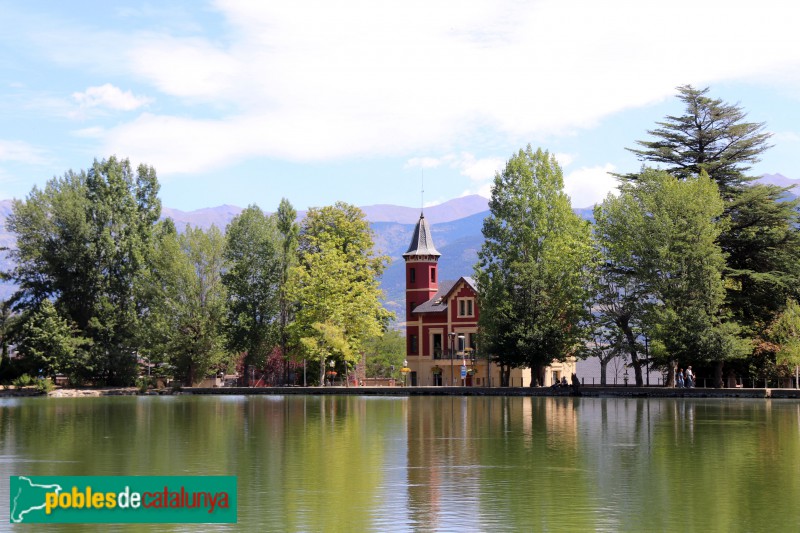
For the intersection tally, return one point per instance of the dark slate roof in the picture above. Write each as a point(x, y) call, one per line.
point(422, 242)
point(438, 303)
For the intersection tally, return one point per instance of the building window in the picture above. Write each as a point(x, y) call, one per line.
point(413, 344)
point(437, 345)
point(466, 307)
point(413, 275)
point(433, 274)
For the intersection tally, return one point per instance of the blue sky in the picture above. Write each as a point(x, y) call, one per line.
point(237, 102)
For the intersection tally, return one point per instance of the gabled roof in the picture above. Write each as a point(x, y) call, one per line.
point(422, 242)
point(438, 303)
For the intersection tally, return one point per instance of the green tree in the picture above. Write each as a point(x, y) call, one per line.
point(711, 136)
point(762, 243)
point(289, 230)
point(662, 234)
point(254, 285)
point(785, 332)
point(83, 242)
point(52, 344)
point(335, 286)
point(534, 267)
point(185, 324)
point(761, 229)
point(384, 352)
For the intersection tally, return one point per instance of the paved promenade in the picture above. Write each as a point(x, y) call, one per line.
point(585, 391)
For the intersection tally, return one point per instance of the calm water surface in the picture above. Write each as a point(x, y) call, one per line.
point(349, 463)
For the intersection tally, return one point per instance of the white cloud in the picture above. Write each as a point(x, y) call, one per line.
point(423, 162)
point(310, 80)
point(110, 97)
point(786, 136)
point(590, 185)
point(93, 132)
point(564, 159)
point(20, 152)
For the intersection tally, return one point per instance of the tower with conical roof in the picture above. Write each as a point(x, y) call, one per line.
point(422, 261)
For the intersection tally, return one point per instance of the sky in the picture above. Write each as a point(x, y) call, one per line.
point(240, 102)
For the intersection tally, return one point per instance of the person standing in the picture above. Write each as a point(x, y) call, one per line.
point(679, 378)
point(689, 377)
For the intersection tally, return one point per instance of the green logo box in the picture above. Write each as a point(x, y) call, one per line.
point(123, 499)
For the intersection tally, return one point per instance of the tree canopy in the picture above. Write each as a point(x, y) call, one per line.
point(712, 136)
point(83, 241)
point(534, 267)
point(335, 286)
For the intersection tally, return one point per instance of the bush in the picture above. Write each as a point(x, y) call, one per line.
point(45, 385)
point(22, 381)
point(144, 383)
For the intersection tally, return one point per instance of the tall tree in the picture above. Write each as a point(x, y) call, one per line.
point(289, 230)
point(534, 267)
point(661, 233)
point(761, 240)
point(254, 285)
point(711, 136)
point(185, 324)
point(335, 285)
point(760, 230)
point(83, 241)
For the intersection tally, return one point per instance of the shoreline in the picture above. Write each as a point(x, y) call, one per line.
point(584, 391)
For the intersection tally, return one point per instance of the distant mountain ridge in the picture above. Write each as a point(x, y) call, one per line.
point(455, 225)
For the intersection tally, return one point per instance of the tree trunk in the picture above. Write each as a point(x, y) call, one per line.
point(537, 376)
point(673, 365)
point(718, 383)
point(603, 364)
point(505, 375)
point(631, 338)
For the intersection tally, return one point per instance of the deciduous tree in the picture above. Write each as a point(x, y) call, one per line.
point(254, 285)
point(335, 285)
point(83, 242)
point(534, 267)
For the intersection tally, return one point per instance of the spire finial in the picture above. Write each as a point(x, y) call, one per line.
point(422, 193)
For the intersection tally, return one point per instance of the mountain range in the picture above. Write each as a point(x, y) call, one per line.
point(455, 225)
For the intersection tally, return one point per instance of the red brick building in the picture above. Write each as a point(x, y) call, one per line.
point(442, 324)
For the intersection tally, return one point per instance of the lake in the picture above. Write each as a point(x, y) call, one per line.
point(353, 463)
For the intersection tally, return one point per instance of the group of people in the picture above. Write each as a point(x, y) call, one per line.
point(684, 378)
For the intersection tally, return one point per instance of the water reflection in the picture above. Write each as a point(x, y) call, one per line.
point(309, 463)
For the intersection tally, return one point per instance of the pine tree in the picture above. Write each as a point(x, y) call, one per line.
point(712, 137)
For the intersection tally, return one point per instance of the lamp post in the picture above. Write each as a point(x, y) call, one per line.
point(452, 336)
point(647, 359)
point(463, 360)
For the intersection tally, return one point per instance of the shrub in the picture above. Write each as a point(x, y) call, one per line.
point(22, 381)
point(45, 385)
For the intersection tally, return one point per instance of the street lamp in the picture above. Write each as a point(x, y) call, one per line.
point(452, 336)
point(463, 360)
